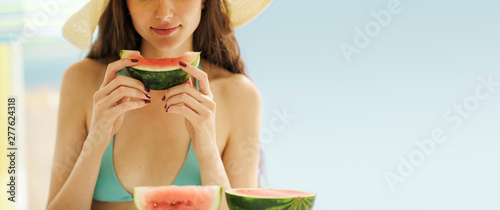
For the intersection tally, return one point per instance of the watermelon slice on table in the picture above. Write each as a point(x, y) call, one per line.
point(159, 74)
point(188, 197)
point(265, 198)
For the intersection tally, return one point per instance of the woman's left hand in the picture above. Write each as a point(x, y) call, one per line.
point(197, 107)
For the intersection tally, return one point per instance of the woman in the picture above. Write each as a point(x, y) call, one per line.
point(114, 134)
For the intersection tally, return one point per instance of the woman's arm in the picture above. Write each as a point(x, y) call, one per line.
point(239, 165)
point(76, 163)
point(78, 152)
point(241, 155)
point(213, 173)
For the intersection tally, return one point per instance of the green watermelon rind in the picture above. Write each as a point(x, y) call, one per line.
point(139, 191)
point(160, 80)
point(217, 205)
point(241, 202)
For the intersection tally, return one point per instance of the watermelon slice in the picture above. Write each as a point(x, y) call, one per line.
point(265, 198)
point(159, 74)
point(188, 197)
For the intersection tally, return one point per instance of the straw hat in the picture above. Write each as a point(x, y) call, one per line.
point(80, 27)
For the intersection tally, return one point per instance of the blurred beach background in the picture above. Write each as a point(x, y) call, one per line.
point(352, 92)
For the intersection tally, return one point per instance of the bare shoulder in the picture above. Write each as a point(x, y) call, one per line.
point(84, 74)
point(228, 87)
point(83, 77)
point(79, 83)
point(240, 95)
point(240, 87)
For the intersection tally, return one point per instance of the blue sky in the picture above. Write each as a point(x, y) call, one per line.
point(353, 120)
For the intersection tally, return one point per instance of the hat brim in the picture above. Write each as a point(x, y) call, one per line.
point(80, 27)
point(244, 11)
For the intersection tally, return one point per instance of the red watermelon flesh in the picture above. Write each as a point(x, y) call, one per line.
point(162, 64)
point(177, 197)
point(271, 193)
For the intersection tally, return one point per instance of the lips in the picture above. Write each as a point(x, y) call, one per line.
point(165, 27)
point(165, 30)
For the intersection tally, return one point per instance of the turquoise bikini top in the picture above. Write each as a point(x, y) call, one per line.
point(109, 189)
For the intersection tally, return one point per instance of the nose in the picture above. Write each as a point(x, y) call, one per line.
point(164, 10)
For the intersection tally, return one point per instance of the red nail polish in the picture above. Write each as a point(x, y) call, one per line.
point(147, 95)
point(147, 89)
point(182, 64)
point(134, 60)
point(163, 99)
point(165, 106)
point(147, 101)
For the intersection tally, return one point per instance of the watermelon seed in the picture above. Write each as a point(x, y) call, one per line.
point(180, 202)
point(155, 204)
point(173, 203)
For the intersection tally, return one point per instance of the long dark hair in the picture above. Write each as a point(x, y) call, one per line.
point(214, 36)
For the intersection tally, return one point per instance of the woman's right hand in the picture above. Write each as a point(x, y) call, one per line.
point(116, 96)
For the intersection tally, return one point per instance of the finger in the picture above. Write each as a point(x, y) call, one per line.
point(124, 81)
point(198, 74)
point(190, 102)
point(124, 94)
point(127, 106)
point(184, 110)
point(120, 81)
point(114, 68)
point(185, 88)
point(122, 100)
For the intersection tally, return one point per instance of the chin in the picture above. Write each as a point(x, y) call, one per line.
point(166, 44)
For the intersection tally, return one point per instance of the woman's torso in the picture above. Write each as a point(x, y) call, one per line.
point(149, 136)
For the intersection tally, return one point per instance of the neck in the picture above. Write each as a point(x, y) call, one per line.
point(151, 51)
